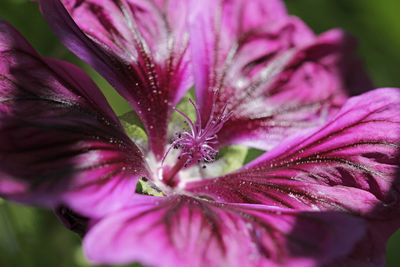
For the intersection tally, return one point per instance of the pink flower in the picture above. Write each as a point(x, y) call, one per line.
point(325, 192)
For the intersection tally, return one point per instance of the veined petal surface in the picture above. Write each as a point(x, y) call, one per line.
point(269, 69)
point(184, 231)
point(356, 151)
point(60, 140)
point(138, 46)
point(351, 165)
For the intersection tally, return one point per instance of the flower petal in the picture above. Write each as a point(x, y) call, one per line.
point(60, 141)
point(351, 164)
point(184, 231)
point(138, 46)
point(269, 69)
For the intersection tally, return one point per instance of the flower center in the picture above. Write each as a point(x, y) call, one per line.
point(196, 143)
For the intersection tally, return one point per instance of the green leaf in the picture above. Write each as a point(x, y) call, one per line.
point(233, 156)
point(177, 121)
point(79, 258)
point(252, 154)
point(134, 128)
point(146, 187)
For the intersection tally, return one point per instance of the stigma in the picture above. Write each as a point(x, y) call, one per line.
point(196, 143)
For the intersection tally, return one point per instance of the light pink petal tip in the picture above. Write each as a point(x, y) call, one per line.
point(183, 231)
point(60, 141)
point(138, 46)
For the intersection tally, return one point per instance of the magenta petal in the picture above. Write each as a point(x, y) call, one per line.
point(310, 89)
point(273, 74)
point(350, 163)
point(183, 231)
point(60, 141)
point(230, 36)
point(138, 46)
point(335, 51)
point(371, 250)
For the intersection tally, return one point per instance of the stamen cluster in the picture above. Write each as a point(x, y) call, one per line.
point(196, 142)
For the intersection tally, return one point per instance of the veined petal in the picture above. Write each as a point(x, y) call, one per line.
point(60, 141)
point(270, 70)
point(138, 46)
point(183, 231)
point(226, 34)
point(351, 164)
point(356, 151)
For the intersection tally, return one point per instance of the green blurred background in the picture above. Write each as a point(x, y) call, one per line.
point(32, 237)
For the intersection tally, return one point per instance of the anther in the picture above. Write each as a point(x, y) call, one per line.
point(196, 143)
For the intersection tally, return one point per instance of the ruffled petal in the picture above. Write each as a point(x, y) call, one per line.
point(183, 231)
point(60, 141)
point(138, 46)
point(349, 164)
point(270, 70)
